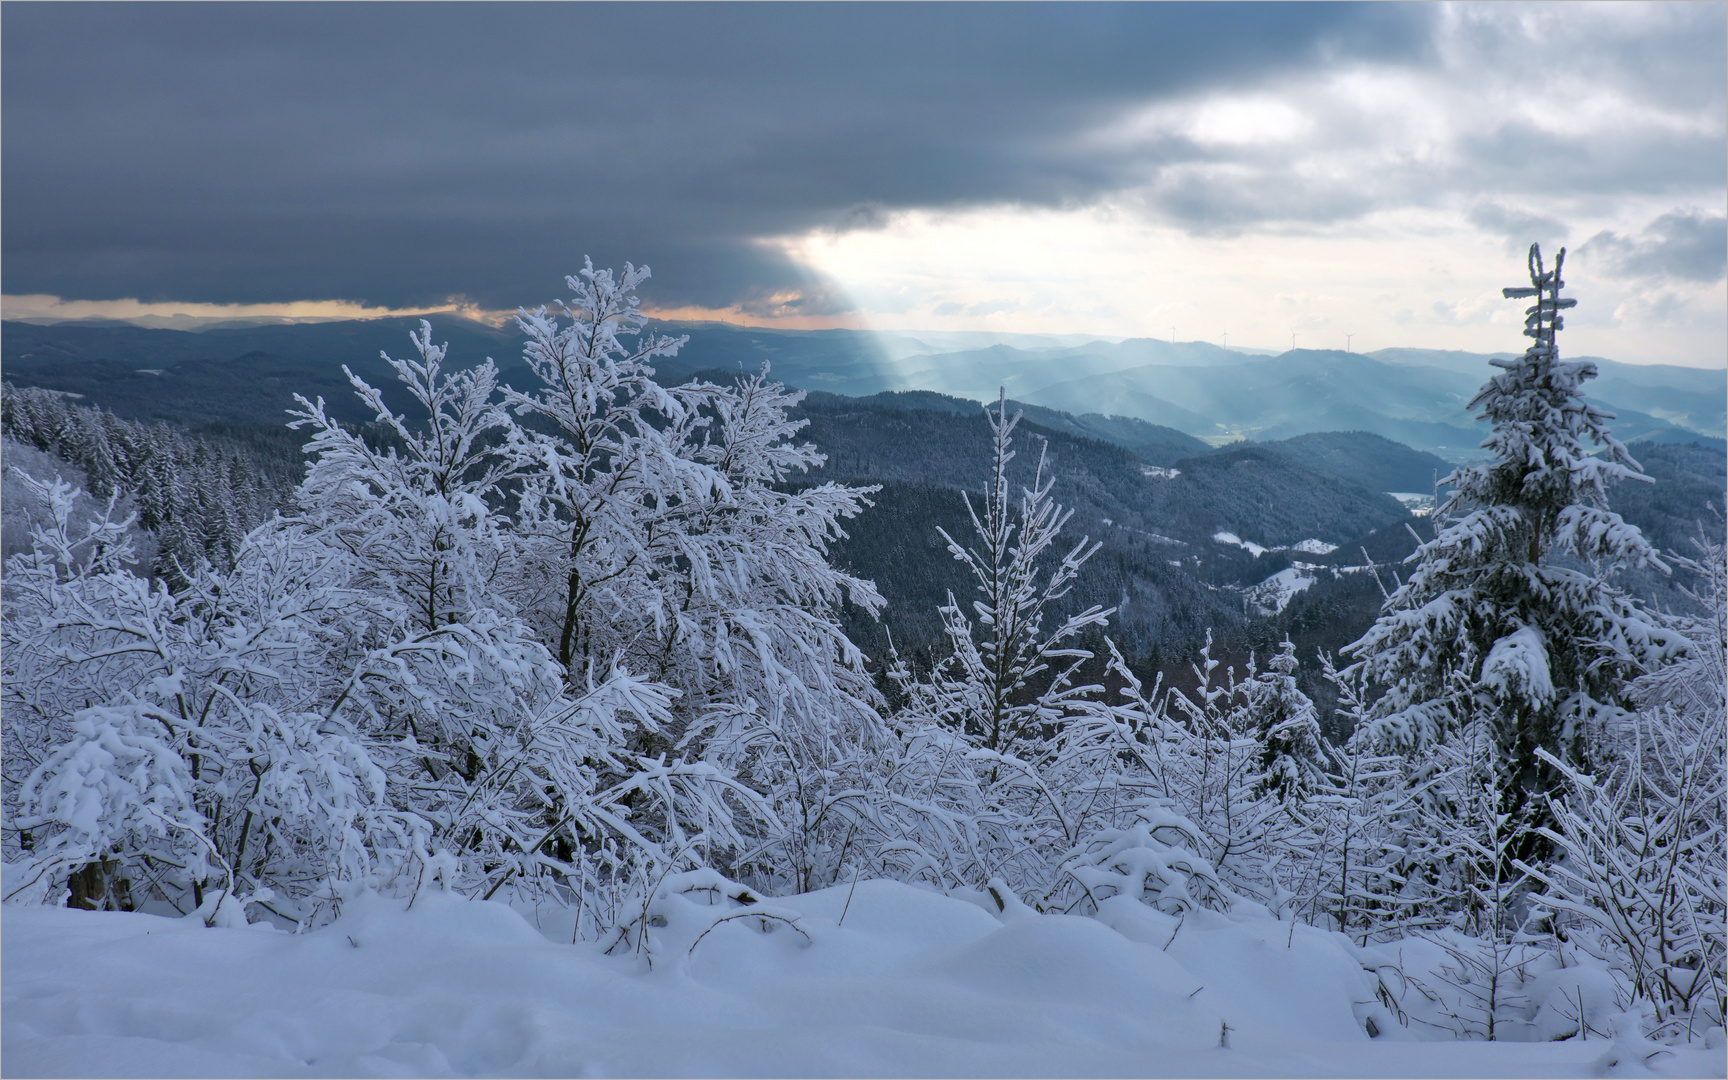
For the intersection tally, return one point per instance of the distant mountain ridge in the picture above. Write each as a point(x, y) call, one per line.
point(1417, 397)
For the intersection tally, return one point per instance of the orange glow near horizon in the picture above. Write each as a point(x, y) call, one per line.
point(42, 306)
point(46, 307)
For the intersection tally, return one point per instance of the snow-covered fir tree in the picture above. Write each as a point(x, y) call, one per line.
point(1007, 681)
point(1510, 615)
point(1292, 762)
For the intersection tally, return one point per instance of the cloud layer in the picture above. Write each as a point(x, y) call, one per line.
point(398, 154)
point(403, 155)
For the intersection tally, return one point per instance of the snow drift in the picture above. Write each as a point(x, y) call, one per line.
point(880, 979)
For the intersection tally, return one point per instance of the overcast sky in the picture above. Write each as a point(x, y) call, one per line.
point(1256, 171)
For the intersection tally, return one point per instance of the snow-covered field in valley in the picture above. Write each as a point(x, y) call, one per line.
point(882, 980)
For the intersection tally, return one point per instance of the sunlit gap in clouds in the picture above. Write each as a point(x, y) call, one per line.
point(1411, 277)
point(822, 303)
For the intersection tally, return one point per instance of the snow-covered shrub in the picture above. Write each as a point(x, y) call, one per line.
point(559, 660)
point(115, 787)
point(1642, 871)
point(186, 708)
point(1366, 827)
point(679, 911)
point(58, 597)
point(1010, 767)
point(1471, 987)
point(1153, 860)
point(512, 763)
point(1224, 760)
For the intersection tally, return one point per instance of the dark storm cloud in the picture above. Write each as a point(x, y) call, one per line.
point(399, 154)
point(1687, 247)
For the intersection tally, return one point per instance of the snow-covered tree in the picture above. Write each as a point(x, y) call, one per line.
point(1292, 763)
point(1008, 685)
point(1514, 593)
point(607, 474)
point(667, 522)
point(775, 689)
point(984, 730)
point(512, 763)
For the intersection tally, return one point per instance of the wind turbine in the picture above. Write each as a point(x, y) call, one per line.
point(1347, 338)
point(1292, 341)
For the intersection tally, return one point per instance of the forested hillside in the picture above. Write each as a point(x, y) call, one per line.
point(1160, 566)
point(196, 494)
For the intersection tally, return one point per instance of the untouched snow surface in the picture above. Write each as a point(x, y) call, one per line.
point(910, 983)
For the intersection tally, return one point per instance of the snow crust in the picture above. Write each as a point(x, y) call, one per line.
point(883, 979)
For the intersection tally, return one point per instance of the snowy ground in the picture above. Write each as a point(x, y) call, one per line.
point(1307, 547)
point(910, 983)
point(1275, 593)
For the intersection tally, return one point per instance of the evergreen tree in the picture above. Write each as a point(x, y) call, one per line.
point(1282, 720)
point(1005, 687)
point(1509, 615)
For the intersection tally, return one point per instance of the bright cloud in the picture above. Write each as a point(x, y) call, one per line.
point(1393, 278)
point(1390, 202)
